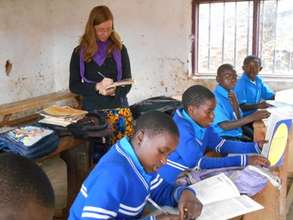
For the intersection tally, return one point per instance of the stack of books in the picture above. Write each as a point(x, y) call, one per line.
point(61, 115)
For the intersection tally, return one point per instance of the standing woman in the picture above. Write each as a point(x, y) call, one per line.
point(98, 61)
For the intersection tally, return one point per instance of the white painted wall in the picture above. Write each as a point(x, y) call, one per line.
point(38, 36)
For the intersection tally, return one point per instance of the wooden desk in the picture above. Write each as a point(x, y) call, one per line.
point(77, 155)
point(273, 200)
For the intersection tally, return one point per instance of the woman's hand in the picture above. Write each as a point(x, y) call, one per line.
point(189, 206)
point(109, 92)
point(101, 87)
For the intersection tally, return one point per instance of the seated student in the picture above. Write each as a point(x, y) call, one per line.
point(228, 116)
point(197, 136)
point(126, 178)
point(250, 89)
point(26, 192)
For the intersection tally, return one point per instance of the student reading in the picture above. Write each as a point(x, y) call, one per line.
point(125, 178)
point(197, 136)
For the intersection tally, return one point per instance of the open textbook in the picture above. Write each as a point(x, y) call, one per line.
point(221, 199)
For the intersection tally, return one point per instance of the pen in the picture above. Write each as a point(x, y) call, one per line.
point(157, 206)
point(101, 74)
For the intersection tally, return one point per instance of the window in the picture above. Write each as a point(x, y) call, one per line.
point(228, 31)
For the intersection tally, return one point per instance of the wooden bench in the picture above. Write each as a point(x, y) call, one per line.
point(75, 153)
point(33, 104)
point(274, 200)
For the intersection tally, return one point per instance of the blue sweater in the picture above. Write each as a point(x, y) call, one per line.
point(252, 92)
point(119, 187)
point(193, 143)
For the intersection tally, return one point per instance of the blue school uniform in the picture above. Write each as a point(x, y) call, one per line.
point(252, 92)
point(224, 112)
point(119, 187)
point(193, 143)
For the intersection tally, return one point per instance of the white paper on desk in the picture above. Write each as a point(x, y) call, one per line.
point(220, 199)
point(229, 208)
point(215, 188)
point(284, 96)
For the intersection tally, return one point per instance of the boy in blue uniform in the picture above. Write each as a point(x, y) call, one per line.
point(250, 89)
point(197, 136)
point(125, 178)
point(228, 116)
point(26, 192)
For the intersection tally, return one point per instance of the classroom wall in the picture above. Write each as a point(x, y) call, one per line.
point(38, 37)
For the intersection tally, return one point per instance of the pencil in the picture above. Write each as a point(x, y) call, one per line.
point(157, 206)
point(101, 74)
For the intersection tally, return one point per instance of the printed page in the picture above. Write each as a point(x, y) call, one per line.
point(225, 209)
point(229, 208)
point(215, 188)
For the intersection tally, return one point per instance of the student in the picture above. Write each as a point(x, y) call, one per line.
point(250, 89)
point(100, 59)
point(228, 116)
point(197, 136)
point(26, 192)
point(126, 178)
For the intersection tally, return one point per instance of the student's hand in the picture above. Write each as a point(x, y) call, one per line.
point(261, 114)
point(263, 105)
point(189, 206)
point(232, 96)
point(258, 160)
point(167, 217)
point(260, 143)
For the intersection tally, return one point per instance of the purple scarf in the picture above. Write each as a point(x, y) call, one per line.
point(99, 57)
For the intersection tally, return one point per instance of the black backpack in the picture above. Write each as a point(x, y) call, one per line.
point(160, 103)
point(93, 125)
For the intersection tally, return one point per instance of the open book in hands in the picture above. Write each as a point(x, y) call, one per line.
point(221, 199)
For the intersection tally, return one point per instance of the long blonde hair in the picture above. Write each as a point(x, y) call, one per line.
point(98, 15)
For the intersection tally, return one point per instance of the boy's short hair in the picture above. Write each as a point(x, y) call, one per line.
point(21, 182)
point(196, 95)
point(155, 123)
point(224, 67)
point(251, 58)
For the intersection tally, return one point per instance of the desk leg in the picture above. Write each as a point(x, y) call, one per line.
point(78, 161)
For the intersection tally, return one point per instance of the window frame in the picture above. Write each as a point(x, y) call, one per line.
point(195, 36)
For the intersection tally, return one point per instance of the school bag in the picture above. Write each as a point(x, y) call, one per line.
point(31, 141)
point(159, 103)
point(93, 125)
